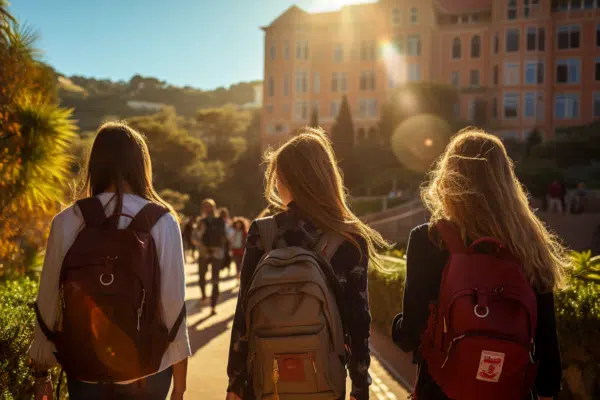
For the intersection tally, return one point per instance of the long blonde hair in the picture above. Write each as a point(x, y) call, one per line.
point(306, 165)
point(473, 185)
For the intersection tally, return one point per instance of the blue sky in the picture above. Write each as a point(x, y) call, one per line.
point(201, 43)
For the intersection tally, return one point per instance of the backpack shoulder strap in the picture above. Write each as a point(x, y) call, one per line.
point(92, 211)
point(147, 217)
point(451, 237)
point(267, 228)
point(329, 244)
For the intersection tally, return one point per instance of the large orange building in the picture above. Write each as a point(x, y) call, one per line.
point(533, 63)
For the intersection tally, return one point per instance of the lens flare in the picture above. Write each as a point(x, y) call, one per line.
point(419, 140)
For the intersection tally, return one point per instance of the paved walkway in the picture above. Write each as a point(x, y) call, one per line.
point(209, 339)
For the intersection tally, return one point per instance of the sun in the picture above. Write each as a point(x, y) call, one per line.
point(333, 5)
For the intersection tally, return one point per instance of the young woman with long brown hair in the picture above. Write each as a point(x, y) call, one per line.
point(473, 186)
point(119, 176)
point(304, 182)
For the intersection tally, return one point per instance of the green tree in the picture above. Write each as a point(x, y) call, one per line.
point(35, 134)
point(342, 134)
point(314, 118)
point(533, 140)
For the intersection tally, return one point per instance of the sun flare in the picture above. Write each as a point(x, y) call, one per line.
point(333, 5)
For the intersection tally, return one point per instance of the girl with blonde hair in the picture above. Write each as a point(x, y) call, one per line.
point(473, 187)
point(304, 182)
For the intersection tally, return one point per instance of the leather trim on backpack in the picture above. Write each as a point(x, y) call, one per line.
point(92, 211)
point(51, 336)
point(147, 217)
point(177, 324)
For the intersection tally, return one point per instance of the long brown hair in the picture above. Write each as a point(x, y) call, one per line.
point(473, 185)
point(120, 156)
point(306, 165)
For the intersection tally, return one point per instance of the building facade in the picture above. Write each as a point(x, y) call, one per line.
point(535, 64)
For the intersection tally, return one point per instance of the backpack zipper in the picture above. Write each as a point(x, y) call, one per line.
point(276, 377)
point(139, 311)
point(312, 360)
point(456, 339)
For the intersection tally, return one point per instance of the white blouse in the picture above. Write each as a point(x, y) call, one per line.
point(167, 237)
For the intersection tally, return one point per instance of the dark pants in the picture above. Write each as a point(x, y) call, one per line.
point(154, 387)
point(215, 269)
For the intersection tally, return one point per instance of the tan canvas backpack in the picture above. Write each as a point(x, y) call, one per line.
point(296, 334)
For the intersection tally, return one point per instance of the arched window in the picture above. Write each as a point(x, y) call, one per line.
point(360, 135)
point(476, 47)
point(372, 133)
point(456, 49)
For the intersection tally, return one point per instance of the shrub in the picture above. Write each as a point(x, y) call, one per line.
point(17, 324)
point(577, 312)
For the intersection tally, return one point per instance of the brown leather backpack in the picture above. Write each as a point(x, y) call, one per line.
point(110, 326)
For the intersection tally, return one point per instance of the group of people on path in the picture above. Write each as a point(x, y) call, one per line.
point(478, 309)
point(220, 242)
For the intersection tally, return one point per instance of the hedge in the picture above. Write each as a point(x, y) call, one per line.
point(577, 312)
point(17, 324)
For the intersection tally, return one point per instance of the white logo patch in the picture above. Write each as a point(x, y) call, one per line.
point(490, 366)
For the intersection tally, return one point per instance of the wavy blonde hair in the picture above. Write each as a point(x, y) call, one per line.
point(306, 165)
point(473, 185)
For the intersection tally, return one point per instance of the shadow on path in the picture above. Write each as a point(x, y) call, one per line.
point(199, 339)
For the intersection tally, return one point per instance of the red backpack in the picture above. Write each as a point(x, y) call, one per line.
point(479, 340)
point(110, 327)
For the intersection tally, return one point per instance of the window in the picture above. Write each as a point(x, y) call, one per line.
point(334, 109)
point(338, 82)
point(456, 49)
point(302, 50)
point(273, 50)
point(360, 134)
point(367, 108)
point(414, 72)
point(472, 107)
point(399, 44)
point(512, 73)
point(598, 33)
point(513, 36)
point(529, 6)
point(455, 79)
point(271, 87)
point(286, 85)
point(568, 37)
point(315, 107)
point(301, 110)
point(396, 16)
point(536, 39)
point(567, 71)
point(372, 133)
point(367, 80)
point(511, 105)
point(456, 109)
point(590, 3)
point(367, 51)
point(414, 45)
point(494, 108)
point(597, 104)
point(566, 106)
point(301, 82)
point(534, 72)
point(286, 50)
point(338, 53)
point(598, 69)
point(474, 18)
point(474, 77)
point(496, 74)
point(529, 105)
point(317, 82)
point(414, 15)
point(476, 47)
point(270, 108)
point(511, 9)
point(496, 43)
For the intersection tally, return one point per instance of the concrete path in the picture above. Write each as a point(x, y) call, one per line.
point(209, 339)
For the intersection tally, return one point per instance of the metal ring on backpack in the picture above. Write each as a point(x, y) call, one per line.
point(112, 279)
point(487, 311)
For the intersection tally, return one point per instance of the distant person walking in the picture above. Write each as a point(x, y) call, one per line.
point(238, 243)
point(579, 201)
point(226, 217)
point(110, 306)
point(210, 238)
point(555, 197)
point(187, 231)
point(478, 309)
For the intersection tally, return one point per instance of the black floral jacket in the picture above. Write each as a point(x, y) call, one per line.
point(351, 270)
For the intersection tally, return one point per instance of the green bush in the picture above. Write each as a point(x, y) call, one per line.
point(577, 312)
point(17, 324)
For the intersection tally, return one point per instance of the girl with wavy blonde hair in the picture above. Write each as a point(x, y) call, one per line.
point(473, 186)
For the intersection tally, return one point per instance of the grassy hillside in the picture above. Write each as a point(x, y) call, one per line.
point(97, 100)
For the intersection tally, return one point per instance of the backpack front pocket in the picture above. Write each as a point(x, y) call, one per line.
point(292, 367)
